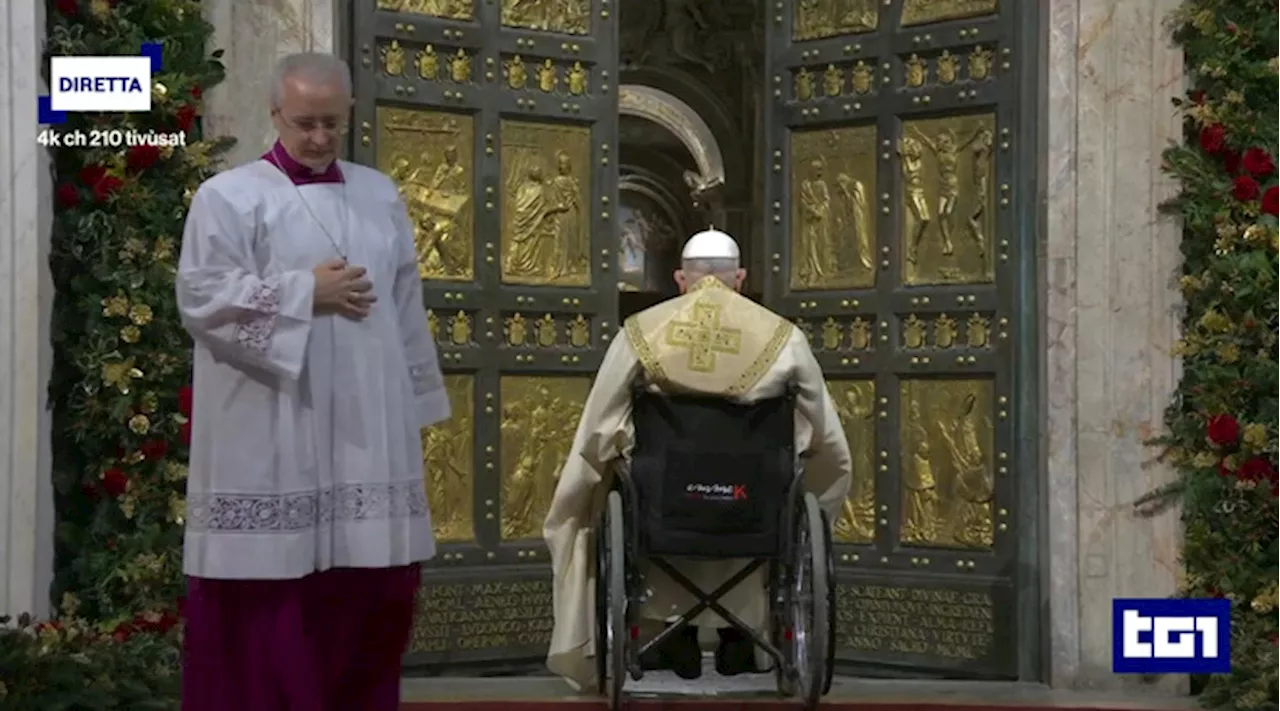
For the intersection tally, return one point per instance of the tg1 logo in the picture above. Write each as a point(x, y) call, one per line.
point(1170, 636)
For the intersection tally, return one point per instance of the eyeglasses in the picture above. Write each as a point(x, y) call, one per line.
point(336, 127)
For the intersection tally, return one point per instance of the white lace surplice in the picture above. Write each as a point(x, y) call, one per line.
point(305, 448)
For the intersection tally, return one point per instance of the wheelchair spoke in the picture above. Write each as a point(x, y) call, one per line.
point(802, 605)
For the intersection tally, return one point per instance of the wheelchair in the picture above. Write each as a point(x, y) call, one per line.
point(713, 479)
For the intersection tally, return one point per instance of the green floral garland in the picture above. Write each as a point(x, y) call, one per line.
point(1222, 424)
point(121, 368)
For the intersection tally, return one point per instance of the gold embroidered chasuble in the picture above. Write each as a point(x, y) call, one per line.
point(711, 340)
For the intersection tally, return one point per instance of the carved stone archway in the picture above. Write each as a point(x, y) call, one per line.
point(684, 123)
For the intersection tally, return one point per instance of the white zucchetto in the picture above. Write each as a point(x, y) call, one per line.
point(711, 244)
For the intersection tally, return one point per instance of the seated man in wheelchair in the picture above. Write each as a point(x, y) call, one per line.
point(709, 341)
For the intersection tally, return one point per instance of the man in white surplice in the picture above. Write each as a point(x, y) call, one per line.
point(315, 371)
point(772, 352)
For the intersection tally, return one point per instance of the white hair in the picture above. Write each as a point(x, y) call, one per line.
point(313, 66)
point(723, 268)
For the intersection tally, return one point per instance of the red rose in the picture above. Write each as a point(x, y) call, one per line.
point(142, 157)
point(1213, 138)
point(67, 195)
point(1269, 200)
point(1245, 189)
point(186, 116)
point(168, 619)
point(1258, 162)
point(111, 543)
point(91, 174)
point(1223, 430)
point(1230, 161)
point(1197, 96)
point(123, 632)
point(185, 399)
point(184, 433)
point(106, 187)
point(114, 482)
point(196, 92)
point(154, 449)
point(67, 8)
point(1257, 469)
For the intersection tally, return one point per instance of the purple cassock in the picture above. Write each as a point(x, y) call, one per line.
point(326, 641)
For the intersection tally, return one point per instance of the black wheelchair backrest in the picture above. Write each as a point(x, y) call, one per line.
point(718, 424)
point(712, 475)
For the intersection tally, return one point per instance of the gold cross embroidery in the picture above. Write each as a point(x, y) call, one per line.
point(703, 337)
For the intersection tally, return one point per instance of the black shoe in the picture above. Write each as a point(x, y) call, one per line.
point(679, 653)
point(736, 654)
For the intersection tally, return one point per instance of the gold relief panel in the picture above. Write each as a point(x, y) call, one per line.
point(855, 403)
point(816, 19)
point(539, 419)
point(430, 157)
point(947, 437)
point(948, 210)
point(546, 179)
point(448, 9)
point(833, 184)
point(923, 12)
point(448, 463)
point(570, 17)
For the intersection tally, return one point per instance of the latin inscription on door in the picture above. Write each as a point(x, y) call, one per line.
point(961, 624)
point(475, 616)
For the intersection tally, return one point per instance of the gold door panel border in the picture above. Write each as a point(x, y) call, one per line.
point(453, 328)
point(430, 156)
point(568, 17)
point(448, 463)
point(946, 69)
point(833, 188)
point(855, 404)
point(447, 9)
point(546, 192)
point(853, 80)
point(427, 62)
point(947, 460)
point(546, 330)
point(548, 76)
point(946, 331)
point(539, 419)
point(839, 334)
point(815, 19)
point(948, 203)
point(924, 12)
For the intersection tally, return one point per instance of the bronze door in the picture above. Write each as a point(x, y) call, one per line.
point(498, 122)
point(898, 181)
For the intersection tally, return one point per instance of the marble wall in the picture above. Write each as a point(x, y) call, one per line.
point(1110, 262)
point(254, 35)
point(26, 299)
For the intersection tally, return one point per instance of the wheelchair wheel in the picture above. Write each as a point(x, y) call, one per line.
point(611, 599)
point(810, 605)
point(831, 607)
